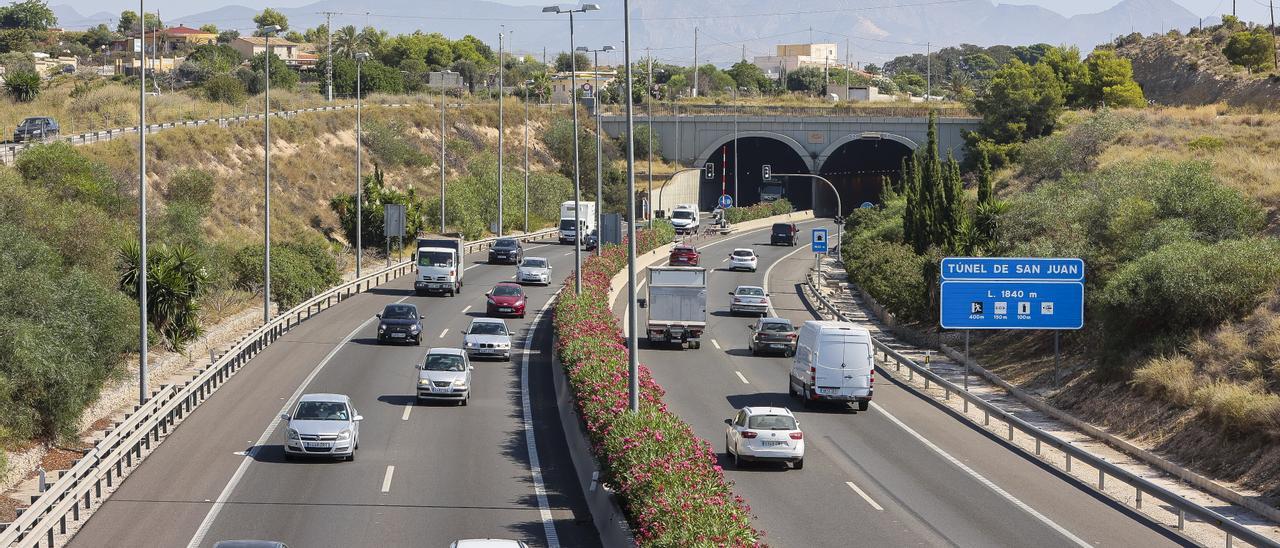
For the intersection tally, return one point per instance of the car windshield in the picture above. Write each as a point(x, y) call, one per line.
point(682, 214)
point(777, 327)
point(744, 253)
point(506, 291)
point(771, 422)
point(535, 263)
point(566, 224)
point(487, 328)
point(322, 411)
point(399, 312)
point(751, 291)
point(443, 362)
point(435, 258)
point(505, 244)
point(772, 189)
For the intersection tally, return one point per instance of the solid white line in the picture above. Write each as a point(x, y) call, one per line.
point(535, 467)
point(769, 271)
point(442, 333)
point(990, 485)
point(464, 311)
point(386, 480)
point(212, 515)
point(864, 495)
point(407, 409)
point(715, 344)
point(739, 374)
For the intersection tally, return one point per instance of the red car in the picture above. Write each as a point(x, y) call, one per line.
point(684, 255)
point(505, 299)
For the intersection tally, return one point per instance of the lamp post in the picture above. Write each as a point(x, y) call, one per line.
point(360, 59)
point(444, 101)
point(736, 107)
point(527, 84)
point(839, 206)
point(595, 90)
point(266, 32)
point(633, 349)
point(143, 341)
point(501, 129)
point(577, 175)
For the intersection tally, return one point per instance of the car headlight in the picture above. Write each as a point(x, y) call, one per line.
point(459, 382)
point(381, 328)
point(424, 382)
point(504, 345)
point(491, 301)
point(470, 344)
point(415, 328)
point(293, 434)
point(344, 435)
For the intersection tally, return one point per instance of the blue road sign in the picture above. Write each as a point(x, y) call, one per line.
point(726, 201)
point(1012, 293)
point(867, 205)
point(819, 240)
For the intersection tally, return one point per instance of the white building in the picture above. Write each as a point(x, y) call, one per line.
point(790, 57)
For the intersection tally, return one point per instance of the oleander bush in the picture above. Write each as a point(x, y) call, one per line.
point(758, 211)
point(667, 479)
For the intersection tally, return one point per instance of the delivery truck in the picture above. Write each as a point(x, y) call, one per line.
point(586, 217)
point(677, 304)
point(439, 264)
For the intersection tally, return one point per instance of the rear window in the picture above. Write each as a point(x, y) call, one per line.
point(743, 253)
point(771, 422)
point(777, 327)
point(751, 291)
point(782, 229)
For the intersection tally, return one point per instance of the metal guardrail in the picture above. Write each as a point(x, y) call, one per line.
point(1181, 505)
point(79, 488)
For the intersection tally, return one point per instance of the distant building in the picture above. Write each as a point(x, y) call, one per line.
point(289, 52)
point(790, 57)
point(165, 42)
point(860, 94)
point(561, 82)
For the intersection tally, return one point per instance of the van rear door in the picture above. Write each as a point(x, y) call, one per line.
point(843, 367)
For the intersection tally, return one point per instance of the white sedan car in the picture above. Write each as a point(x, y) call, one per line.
point(743, 259)
point(534, 270)
point(764, 434)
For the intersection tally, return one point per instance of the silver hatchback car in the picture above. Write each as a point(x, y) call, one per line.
point(445, 374)
point(322, 425)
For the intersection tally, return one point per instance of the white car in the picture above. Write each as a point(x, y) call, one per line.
point(764, 434)
point(743, 259)
point(749, 299)
point(534, 270)
point(322, 425)
point(488, 337)
point(445, 374)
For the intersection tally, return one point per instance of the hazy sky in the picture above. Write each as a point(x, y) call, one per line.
point(1248, 9)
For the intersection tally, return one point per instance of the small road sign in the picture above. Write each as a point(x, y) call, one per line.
point(586, 86)
point(819, 244)
point(726, 201)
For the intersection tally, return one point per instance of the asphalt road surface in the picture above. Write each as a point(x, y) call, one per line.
point(424, 474)
point(904, 473)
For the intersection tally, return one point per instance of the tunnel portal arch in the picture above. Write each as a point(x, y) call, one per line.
point(756, 149)
point(856, 165)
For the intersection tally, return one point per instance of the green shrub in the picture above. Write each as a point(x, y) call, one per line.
point(894, 275)
point(176, 279)
point(882, 223)
point(298, 270)
point(225, 88)
point(758, 211)
point(472, 205)
point(22, 85)
point(388, 142)
point(375, 195)
point(63, 170)
point(1207, 143)
point(1075, 149)
point(194, 186)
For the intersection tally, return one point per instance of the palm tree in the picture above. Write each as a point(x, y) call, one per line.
point(346, 41)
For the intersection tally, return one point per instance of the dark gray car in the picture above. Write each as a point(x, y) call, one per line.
point(506, 250)
point(36, 128)
point(775, 335)
point(400, 323)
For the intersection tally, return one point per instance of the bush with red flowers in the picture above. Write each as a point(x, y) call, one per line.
point(667, 479)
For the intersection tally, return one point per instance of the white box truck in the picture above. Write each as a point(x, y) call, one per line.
point(586, 220)
point(440, 268)
point(833, 362)
point(677, 305)
point(684, 218)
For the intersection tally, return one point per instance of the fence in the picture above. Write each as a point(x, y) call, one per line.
point(78, 489)
point(728, 108)
point(1180, 506)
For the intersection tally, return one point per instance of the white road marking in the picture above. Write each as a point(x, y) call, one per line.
point(864, 495)
point(739, 374)
point(442, 333)
point(715, 344)
point(407, 409)
point(464, 311)
point(386, 480)
point(990, 485)
point(212, 515)
point(535, 468)
point(724, 260)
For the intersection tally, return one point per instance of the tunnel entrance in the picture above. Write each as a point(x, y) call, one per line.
point(753, 153)
point(857, 169)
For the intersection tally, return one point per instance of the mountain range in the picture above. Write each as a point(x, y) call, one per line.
point(727, 29)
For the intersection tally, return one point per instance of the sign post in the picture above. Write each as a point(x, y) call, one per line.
point(393, 222)
point(1012, 293)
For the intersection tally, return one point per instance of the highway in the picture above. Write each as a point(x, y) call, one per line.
point(904, 473)
point(424, 474)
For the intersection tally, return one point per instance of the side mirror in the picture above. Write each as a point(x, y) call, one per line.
point(729, 422)
point(358, 418)
point(642, 303)
point(421, 317)
point(379, 316)
point(284, 417)
point(464, 331)
point(471, 368)
point(731, 293)
point(419, 366)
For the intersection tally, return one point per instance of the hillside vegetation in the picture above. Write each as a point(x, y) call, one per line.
point(1227, 63)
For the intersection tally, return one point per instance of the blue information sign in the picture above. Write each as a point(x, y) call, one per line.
point(819, 240)
point(1012, 293)
point(726, 201)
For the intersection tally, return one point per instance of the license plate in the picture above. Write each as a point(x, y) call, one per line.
point(774, 443)
point(443, 389)
point(397, 335)
point(828, 391)
point(317, 446)
point(435, 286)
point(777, 346)
point(504, 309)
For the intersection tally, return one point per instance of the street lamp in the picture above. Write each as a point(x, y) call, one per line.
point(501, 128)
point(360, 59)
point(577, 175)
point(142, 216)
point(527, 85)
point(595, 90)
point(736, 107)
point(444, 101)
point(633, 347)
point(839, 206)
point(266, 32)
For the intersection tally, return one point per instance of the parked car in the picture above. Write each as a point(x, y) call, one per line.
point(536, 270)
point(743, 259)
point(783, 234)
point(506, 250)
point(684, 255)
point(749, 299)
point(400, 322)
point(772, 335)
point(322, 425)
point(764, 434)
point(36, 128)
point(445, 374)
point(505, 299)
point(488, 337)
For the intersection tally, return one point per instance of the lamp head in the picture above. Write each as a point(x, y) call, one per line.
point(590, 7)
point(607, 48)
point(551, 9)
point(362, 56)
point(268, 30)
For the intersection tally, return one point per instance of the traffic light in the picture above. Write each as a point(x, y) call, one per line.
point(766, 171)
point(709, 171)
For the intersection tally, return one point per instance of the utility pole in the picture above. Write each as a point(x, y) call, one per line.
point(847, 70)
point(444, 101)
point(744, 52)
point(1275, 53)
point(695, 61)
point(928, 64)
point(267, 31)
point(143, 341)
point(527, 84)
point(648, 104)
point(500, 126)
point(328, 53)
point(360, 59)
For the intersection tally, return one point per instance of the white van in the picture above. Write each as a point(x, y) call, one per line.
point(833, 362)
point(684, 218)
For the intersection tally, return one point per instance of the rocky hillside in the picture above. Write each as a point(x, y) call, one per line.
point(1178, 69)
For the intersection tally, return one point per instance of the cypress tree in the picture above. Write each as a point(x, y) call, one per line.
point(986, 186)
point(933, 207)
point(954, 207)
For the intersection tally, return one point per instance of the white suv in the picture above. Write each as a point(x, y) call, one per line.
point(744, 259)
point(764, 434)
